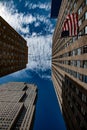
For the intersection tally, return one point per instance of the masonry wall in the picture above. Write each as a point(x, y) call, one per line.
point(17, 106)
point(13, 49)
point(69, 66)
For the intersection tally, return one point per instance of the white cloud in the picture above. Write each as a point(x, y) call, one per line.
point(26, 3)
point(34, 34)
point(46, 77)
point(37, 24)
point(46, 6)
point(44, 19)
point(39, 46)
point(14, 18)
point(39, 52)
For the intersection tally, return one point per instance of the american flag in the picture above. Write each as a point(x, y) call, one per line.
point(70, 25)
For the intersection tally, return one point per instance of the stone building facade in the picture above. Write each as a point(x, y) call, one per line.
point(13, 49)
point(69, 66)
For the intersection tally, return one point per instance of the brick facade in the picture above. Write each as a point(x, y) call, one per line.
point(13, 49)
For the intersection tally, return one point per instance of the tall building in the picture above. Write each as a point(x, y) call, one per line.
point(17, 106)
point(69, 66)
point(13, 49)
point(55, 5)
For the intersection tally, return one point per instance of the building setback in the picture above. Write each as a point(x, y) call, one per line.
point(17, 106)
point(69, 66)
point(13, 49)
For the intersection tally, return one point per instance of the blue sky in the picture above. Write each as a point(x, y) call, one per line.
point(31, 18)
point(47, 114)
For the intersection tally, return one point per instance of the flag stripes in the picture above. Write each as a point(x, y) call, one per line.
point(71, 24)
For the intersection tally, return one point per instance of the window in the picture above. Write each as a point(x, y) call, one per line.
point(79, 51)
point(85, 29)
point(81, 64)
point(4, 27)
point(85, 49)
point(79, 34)
point(65, 46)
point(71, 105)
point(74, 38)
point(82, 31)
point(83, 98)
point(80, 10)
point(85, 15)
point(80, 22)
point(85, 78)
point(86, 2)
point(70, 53)
point(80, 95)
point(73, 52)
point(74, 5)
point(71, 62)
point(78, 119)
point(78, 63)
point(81, 77)
point(4, 36)
point(75, 63)
point(73, 110)
point(76, 52)
point(73, 88)
point(85, 64)
point(74, 74)
point(83, 128)
point(77, 91)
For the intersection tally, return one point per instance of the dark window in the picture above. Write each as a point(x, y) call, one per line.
point(70, 53)
point(73, 110)
point(85, 117)
point(81, 64)
point(85, 78)
point(85, 63)
point(73, 99)
point(80, 94)
point(78, 119)
point(81, 77)
point(83, 128)
point(75, 63)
